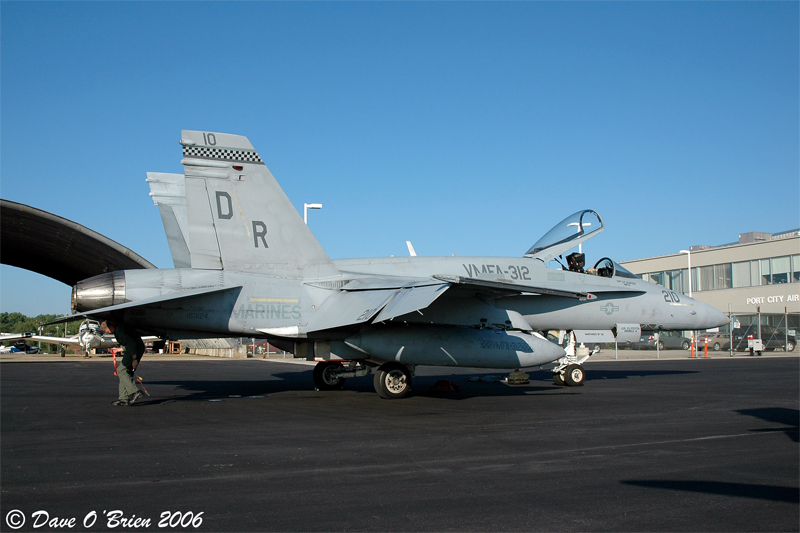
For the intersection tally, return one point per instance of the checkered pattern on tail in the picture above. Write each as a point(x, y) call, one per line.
point(225, 154)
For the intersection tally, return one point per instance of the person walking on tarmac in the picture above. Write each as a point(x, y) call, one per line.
point(133, 346)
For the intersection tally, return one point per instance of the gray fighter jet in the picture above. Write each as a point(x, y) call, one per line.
point(249, 267)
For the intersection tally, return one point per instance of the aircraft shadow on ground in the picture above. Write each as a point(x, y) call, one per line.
point(541, 383)
point(777, 415)
point(741, 490)
point(205, 390)
point(592, 374)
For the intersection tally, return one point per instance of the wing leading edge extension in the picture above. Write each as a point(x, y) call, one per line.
point(517, 288)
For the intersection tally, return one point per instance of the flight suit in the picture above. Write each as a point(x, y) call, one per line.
point(133, 346)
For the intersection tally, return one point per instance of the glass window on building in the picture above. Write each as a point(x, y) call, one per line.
point(781, 269)
point(722, 276)
point(755, 273)
point(675, 280)
point(766, 277)
point(657, 277)
point(706, 278)
point(740, 273)
point(796, 269)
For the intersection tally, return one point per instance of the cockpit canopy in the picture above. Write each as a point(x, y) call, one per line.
point(608, 269)
point(570, 232)
point(566, 235)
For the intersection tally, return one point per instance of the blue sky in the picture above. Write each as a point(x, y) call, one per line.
point(467, 128)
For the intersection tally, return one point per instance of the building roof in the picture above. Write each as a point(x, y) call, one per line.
point(61, 249)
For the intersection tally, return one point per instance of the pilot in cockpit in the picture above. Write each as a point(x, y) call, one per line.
point(576, 261)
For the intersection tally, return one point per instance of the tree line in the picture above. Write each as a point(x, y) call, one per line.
point(19, 323)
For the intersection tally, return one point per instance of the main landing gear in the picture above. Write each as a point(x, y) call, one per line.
point(571, 376)
point(392, 380)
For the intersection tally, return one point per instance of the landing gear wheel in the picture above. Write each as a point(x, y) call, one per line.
point(558, 379)
point(326, 376)
point(574, 375)
point(393, 381)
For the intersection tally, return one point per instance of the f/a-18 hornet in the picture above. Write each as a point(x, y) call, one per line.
point(249, 267)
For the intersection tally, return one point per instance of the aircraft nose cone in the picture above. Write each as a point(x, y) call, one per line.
point(710, 317)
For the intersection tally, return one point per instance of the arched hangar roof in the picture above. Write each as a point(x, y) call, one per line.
point(59, 248)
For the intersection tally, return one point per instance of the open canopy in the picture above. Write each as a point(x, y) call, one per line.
point(566, 235)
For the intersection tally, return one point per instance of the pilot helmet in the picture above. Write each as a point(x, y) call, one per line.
point(576, 260)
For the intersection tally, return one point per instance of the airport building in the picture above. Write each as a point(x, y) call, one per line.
point(756, 277)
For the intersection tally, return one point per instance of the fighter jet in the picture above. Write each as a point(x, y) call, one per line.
point(247, 266)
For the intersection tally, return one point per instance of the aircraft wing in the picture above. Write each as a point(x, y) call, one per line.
point(518, 288)
point(14, 336)
point(362, 299)
point(75, 341)
point(70, 341)
point(408, 300)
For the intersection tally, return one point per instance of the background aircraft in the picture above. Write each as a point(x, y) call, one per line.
point(249, 266)
point(89, 337)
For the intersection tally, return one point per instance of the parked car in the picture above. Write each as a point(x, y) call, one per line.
point(771, 337)
point(668, 340)
point(716, 341)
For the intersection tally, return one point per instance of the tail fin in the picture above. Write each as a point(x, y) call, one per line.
point(239, 217)
point(169, 194)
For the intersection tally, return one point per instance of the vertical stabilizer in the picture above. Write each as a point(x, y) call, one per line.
point(232, 196)
point(169, 194)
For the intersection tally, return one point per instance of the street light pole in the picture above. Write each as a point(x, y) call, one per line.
point(306, 207)
point(689, 256)
point(580, 244)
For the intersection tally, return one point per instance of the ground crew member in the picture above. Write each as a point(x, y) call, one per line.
point(133, 346)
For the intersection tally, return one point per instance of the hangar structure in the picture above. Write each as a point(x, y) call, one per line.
point(58, 248)
point(39, 241)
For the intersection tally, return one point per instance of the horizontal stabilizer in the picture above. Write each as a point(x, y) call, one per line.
point(147, 302)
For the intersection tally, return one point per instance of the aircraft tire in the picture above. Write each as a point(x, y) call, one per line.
point(325, 376)
point(392, 381)
point(574, 376)
point(558, 379)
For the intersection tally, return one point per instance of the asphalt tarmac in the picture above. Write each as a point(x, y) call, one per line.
point(248, 445)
